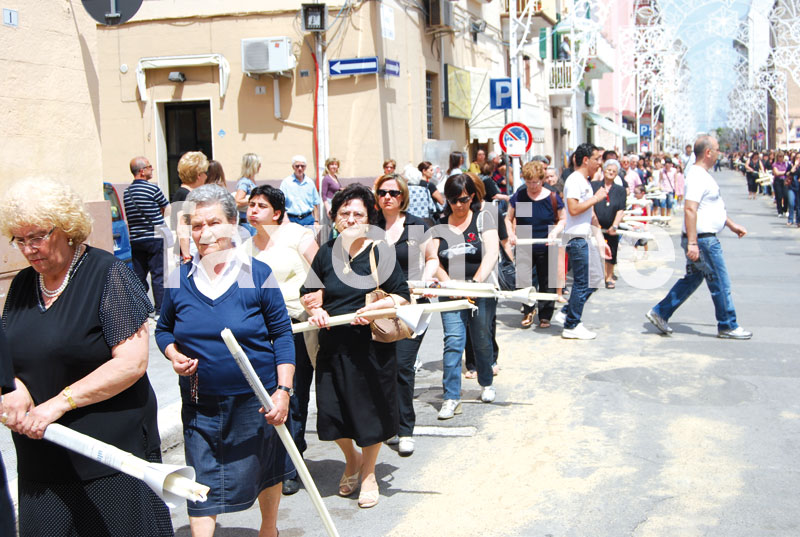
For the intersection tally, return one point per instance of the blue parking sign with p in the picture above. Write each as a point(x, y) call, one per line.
point(500, 93)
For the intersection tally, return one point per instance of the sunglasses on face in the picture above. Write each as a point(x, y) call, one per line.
point(392, 193)
point(462, 199)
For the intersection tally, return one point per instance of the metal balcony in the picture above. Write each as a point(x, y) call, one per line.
point(561, 75)
point(536, 5)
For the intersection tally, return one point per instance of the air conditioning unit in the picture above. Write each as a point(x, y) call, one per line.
point(262, 55)
point(440, 13)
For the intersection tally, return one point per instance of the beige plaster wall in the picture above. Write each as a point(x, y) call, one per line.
point(371, 117)
point(49, 96)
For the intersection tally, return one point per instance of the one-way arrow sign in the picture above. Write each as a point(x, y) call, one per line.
point(353, 66)
point(392, 68)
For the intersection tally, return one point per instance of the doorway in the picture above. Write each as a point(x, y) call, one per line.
point(188, 128)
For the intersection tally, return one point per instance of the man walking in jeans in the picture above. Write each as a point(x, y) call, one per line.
point(144, 207)
point(705, 216)
point(580, 227)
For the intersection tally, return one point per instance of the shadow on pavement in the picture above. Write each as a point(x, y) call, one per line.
point(681, 328)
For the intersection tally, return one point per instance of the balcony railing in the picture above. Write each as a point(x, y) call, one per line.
point(536, 5)
point(561, 75)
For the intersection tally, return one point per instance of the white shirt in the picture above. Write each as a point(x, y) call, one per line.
point(215, 288)
point(287, 262)
point(578, 187)
point(711, 213)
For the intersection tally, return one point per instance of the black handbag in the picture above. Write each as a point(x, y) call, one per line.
point(506, 272)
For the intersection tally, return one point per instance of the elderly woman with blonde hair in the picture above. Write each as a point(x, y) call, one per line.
point(76, 324)
point(192, 170)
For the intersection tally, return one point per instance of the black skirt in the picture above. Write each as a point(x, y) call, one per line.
point(356, 382)
point(113, 506)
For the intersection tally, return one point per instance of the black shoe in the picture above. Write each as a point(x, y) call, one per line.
point(290, 486)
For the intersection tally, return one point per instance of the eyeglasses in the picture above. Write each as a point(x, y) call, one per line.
point(392, 193)
point(299, 165)
point(462, 199)
point(31, 242)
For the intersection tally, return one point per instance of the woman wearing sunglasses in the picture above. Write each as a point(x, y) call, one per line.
point(406, 233)
point(467, 250)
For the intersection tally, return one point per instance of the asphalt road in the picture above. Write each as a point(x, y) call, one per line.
point(631, 434)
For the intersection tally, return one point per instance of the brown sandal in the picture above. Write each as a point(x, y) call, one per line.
point(544, 323)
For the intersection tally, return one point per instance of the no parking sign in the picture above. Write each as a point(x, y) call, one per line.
point(516, 139)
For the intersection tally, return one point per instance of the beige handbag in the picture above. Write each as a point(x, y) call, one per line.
point(385, 330)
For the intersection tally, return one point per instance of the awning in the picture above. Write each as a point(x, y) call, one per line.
point(192, 60)
point(617, 130)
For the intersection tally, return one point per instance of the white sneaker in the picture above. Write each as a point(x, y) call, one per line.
point(488, 394)
point(658, 322)
point(405, 445)
point(560, 317)
point(450, 407)
point(579, 332)
point(737, 333)
point(392, 441)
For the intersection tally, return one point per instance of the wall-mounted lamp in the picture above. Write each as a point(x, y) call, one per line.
point(476, 27)
point(176, 76)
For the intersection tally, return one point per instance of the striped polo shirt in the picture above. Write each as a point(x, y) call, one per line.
point(143, 202)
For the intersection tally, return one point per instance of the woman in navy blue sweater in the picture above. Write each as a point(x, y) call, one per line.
point(229, 444)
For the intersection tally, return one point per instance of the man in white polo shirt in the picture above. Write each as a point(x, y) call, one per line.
point(581, 225)
point(705, 216)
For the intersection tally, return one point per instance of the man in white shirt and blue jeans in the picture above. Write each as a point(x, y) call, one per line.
point(581, 225)
point(705, 216)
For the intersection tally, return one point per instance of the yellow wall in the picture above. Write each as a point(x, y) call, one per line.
point(49, 96)
point(371, 117)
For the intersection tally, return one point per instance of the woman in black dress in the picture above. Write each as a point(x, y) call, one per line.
point(417, 257)
point(356, 377)
point(76, 324)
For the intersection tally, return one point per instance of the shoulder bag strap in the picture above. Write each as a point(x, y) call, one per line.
point(373, 266)
point(141, 212)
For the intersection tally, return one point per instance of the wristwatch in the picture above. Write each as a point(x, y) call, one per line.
point(290, 391)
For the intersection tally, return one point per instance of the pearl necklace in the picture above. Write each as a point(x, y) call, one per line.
point(52, 294)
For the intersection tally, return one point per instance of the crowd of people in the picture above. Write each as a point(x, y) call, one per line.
point(257, 261)
point(773, 174)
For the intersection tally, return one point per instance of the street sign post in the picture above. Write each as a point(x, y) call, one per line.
point(500, 93)
point(391, 68)
point(353, 66)
point(644, 131)
point(515, 139)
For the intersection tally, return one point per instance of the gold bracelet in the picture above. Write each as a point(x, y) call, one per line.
point(68, 394)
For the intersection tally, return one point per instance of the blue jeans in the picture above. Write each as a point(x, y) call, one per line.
point(307, 221)
point(710, 266)
point(794, 206)
point(578, 252)
point(455, 339)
